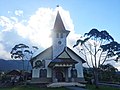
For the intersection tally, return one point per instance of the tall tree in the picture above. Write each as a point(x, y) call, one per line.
point(22, 52)
point(97, 48)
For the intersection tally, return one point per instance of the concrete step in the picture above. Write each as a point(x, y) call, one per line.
point(61, 84)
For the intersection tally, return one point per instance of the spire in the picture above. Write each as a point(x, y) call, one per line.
point(58, 25)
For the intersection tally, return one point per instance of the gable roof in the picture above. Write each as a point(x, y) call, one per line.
point(62, 58)
point(43, 52)
point(83, 61)
point(64, 54)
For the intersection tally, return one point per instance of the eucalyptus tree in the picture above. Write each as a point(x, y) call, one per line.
point(97, 47)
point(22, 52)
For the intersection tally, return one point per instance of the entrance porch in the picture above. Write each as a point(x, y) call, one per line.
point(60, 74)
point(61, 69)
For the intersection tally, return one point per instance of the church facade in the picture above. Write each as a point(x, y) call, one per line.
point(57, 63)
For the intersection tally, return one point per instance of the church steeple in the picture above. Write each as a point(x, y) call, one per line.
point(59, 35)
point(58, 25)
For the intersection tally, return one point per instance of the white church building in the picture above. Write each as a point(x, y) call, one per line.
point(57, 63)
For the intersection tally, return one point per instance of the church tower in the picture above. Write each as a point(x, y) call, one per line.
point(59, 35)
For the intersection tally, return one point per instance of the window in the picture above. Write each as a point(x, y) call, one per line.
point(43, 73)
point(61, 35)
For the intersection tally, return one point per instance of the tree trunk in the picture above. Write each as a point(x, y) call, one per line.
point(96, 77)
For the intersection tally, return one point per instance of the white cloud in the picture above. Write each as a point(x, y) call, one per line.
point(18, 12)
point(1, 36)
point(38, 27)
point(3, 53)
point(6, 23)
point(115, 64)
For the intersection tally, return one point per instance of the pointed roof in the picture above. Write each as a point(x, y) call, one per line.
point(58, 25)
point(64, 54)
point(63, 58)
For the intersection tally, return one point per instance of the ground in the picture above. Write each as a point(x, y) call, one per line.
point(92, 87)
point(31, 88)
point(89, 87)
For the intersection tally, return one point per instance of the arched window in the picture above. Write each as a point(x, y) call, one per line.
point(43, 73)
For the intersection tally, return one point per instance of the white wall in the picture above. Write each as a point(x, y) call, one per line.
point(47, 55)
point(35, 73)
point(78, 66)
point(79, 69)
point(58, 48)
point(49, 71)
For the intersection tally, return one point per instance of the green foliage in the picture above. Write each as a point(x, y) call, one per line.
point(102, 35)
point(88, 74)
point(31, 88)
point(113, 49)
point(92, 87)
point(108, 73)
point(18, 51)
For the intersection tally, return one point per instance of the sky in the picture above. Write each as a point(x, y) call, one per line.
point(31, 21)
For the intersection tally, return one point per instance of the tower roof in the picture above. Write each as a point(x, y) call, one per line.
point(58, 25)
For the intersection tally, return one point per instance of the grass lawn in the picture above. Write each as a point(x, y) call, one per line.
point(31, 88)
point(89, 87)
point(92, 87)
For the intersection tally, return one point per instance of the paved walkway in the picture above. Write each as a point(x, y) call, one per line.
point(65, 84)
point(76, 88)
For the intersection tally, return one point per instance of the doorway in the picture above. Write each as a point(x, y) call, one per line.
point(60, 76)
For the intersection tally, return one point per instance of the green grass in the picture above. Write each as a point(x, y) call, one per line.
point(31, 88)
point(89, 87)
point(92, 87)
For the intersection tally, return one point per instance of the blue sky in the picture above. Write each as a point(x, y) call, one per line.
point(17, 17)
point(86, 14)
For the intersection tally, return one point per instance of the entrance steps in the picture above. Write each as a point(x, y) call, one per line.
point(62, 84)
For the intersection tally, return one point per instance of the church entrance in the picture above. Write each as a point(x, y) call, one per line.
point(59, 76)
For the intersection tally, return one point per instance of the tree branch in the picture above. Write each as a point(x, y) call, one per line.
point(86, 57)
point(100, 58)
point(91, 57)
point(104, 59)
point(88, 49)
